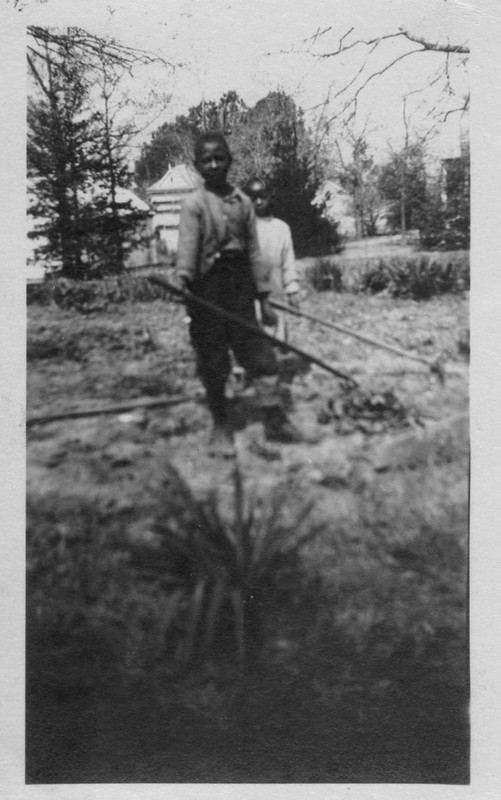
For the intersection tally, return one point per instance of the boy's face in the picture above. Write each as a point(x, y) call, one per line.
point(213, 164)
point(260, 199)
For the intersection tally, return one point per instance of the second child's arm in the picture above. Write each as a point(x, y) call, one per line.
point(290, 276)
point(260, 272)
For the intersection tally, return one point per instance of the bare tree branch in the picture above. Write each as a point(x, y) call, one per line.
point(454, 54)
point(342, 47)
point(435, 46)
point(90, 44)
point(354, 100)
point(460, 109)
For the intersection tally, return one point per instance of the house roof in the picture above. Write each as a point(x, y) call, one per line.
point(178, 178)
point(126, 199)
point(124, 196)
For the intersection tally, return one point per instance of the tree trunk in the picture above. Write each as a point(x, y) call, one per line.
point(117, 264)
point(357, 213)
point(403, 221)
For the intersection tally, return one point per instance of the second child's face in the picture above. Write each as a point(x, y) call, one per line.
point(260, 199)
point(213, 165)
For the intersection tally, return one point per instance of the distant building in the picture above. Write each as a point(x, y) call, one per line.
point(143, 250)
point(165, 198)
point(139, 251)
point(338, 207)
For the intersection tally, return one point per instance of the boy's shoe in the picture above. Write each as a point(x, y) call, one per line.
point(221, 443)
point(278, 428)
point(286, 433)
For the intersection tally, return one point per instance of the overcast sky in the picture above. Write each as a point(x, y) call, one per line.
point(240, 44)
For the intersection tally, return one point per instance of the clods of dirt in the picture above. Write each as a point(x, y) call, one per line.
point(369, 412)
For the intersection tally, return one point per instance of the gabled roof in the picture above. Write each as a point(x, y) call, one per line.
point(178, 178)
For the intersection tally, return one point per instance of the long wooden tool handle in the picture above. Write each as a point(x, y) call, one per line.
point(354, 334)
point(110, 408)
point(186, 295)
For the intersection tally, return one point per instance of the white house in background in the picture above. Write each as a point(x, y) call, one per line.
point(337, 207)
point(166, 197)
point(145, 251)
point(135, 254)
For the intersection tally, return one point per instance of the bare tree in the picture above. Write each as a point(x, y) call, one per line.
point(354, 168)
point(342, 98)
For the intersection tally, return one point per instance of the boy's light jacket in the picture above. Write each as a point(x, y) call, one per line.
point(202, 233)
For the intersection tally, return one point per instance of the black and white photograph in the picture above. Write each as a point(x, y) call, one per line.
point(247, 392)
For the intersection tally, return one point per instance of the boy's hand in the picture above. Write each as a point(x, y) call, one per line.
point(293, 299)
point(268, 316)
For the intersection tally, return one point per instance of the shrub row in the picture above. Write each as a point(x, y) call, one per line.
point(418, 277)
point(95, 295)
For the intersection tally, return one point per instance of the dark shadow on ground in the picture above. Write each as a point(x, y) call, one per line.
point(415, 731)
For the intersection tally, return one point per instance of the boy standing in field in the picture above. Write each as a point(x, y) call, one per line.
point(277, 250)
point(219, 260)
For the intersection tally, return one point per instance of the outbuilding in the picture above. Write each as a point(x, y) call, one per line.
point(165, 197)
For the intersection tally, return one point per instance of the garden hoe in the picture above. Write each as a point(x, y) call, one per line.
point(186, 295)
point(436, 367)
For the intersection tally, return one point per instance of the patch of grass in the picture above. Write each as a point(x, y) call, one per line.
point(83, 594)
point(198, 582)
point(396, 577)
point(193, 584)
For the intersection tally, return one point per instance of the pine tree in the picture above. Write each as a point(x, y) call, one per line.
point(77, 162)
point(60, 129)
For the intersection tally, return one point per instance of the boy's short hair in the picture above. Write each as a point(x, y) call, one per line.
point(210, 137)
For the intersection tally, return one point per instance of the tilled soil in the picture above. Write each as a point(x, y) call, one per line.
point(143, 351)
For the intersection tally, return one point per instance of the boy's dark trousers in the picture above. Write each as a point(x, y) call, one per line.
point(229, 285)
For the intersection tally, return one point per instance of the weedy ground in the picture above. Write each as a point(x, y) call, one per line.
point(353, 665)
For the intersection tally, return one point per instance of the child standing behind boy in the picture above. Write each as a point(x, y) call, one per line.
point(277, 250)
point(219, 260)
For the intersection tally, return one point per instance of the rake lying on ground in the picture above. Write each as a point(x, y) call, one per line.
point(436, 367)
